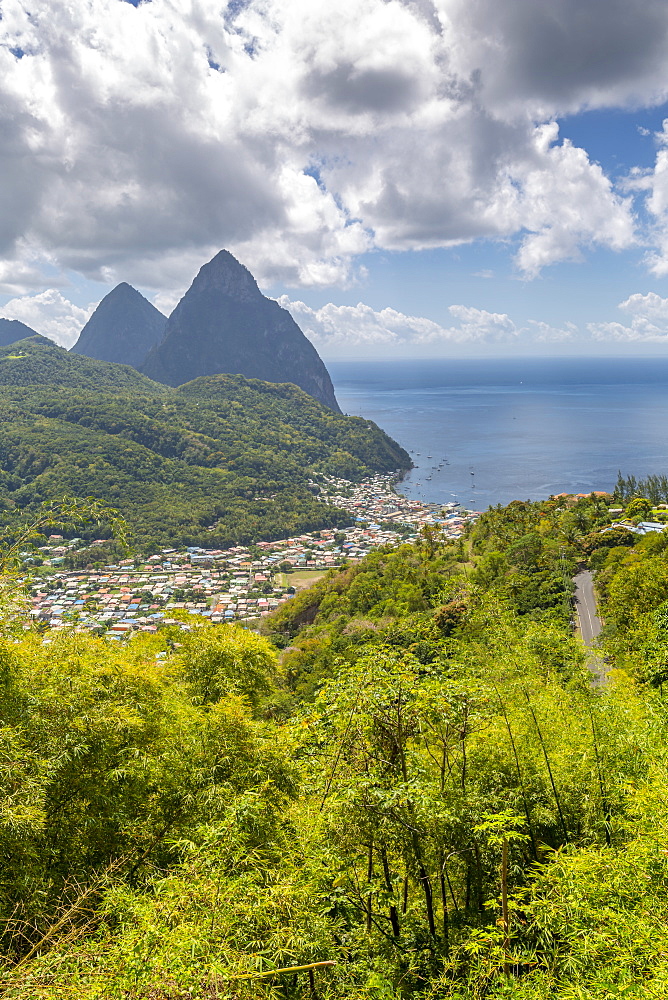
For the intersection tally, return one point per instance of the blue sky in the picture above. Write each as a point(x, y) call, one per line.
point(587, 291)
point(408, 177)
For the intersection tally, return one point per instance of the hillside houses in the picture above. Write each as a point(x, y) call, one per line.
point(242, 583)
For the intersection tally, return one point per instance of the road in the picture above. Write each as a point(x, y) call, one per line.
point(585, 603)
point(589, 622)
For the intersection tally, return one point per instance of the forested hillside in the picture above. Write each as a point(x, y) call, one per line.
point(222, 453)
point(410, 777)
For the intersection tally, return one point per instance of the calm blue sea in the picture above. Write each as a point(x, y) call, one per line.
point(489, 431)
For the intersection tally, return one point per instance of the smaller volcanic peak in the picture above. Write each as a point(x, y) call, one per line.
point(123, 328)
point(12, 330)
point(224, 324)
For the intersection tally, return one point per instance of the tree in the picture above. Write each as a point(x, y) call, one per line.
point(640, 508)
point(608, 539)
point(525, 551)
point(451, 615)
point(226, 659)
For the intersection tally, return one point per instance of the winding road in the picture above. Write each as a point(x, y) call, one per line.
point(589, 623)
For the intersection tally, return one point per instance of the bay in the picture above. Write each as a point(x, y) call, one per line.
point(490, 431)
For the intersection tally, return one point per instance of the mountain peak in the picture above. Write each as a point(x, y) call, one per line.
point(123, 289)
point(228, 276)
point(12, 330)
point(123, 328)
point(224, 324)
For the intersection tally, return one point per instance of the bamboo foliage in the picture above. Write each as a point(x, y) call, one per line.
point(443, 808)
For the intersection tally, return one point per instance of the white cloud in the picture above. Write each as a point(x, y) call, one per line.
point(17, 277)
point(338, 327)
point(569, 204)
point(300, 135)
point(546, 333)
point(360, 325)
point(649, 321)
point(655, 183)
point(479, 324)
point(50, 314)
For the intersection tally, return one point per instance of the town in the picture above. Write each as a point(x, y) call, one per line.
point(243, 583)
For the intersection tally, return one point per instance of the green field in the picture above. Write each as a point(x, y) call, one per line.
point(304, 577)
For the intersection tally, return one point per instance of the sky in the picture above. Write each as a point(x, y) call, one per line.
point(425, 178)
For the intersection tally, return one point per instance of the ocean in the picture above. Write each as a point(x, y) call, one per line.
point(484, 432)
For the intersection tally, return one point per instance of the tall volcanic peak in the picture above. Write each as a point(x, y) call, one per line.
point(224, 324)
point(123, 328)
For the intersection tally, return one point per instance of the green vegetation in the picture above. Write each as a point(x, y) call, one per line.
point(655, 488)
point(409, 775)
point(36, 361)
point(219, 461)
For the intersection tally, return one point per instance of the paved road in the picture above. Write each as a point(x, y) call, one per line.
point(585, 603)
point(590, 623)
